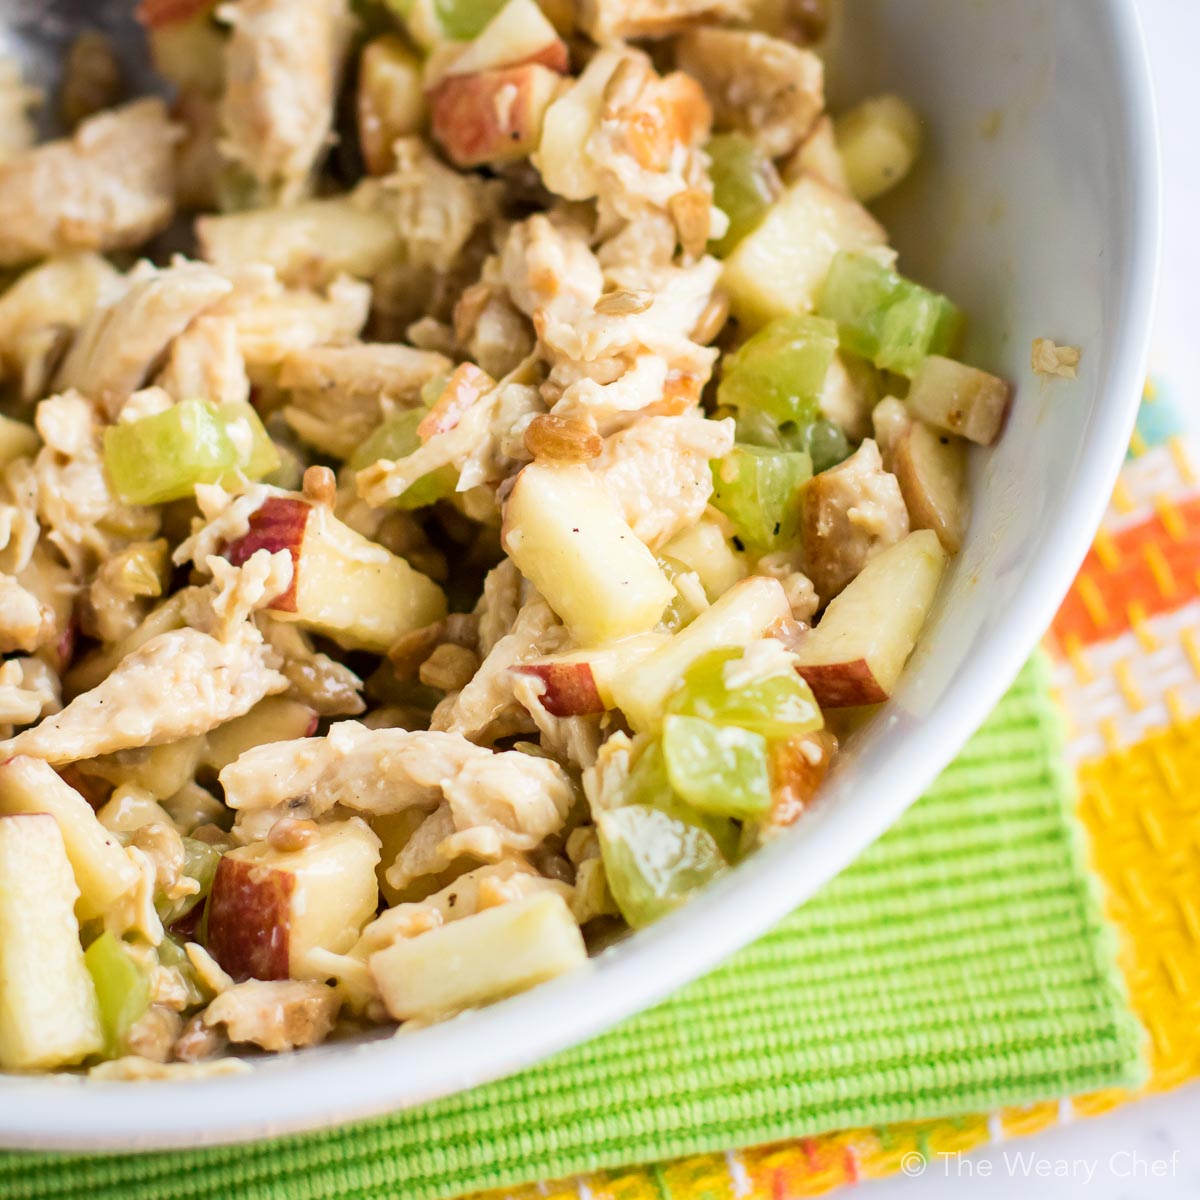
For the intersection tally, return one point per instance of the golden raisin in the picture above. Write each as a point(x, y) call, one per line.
point(562, 439)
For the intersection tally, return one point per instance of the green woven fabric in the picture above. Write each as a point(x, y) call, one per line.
point(959, 965)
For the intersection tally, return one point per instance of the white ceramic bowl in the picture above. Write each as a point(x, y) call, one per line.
point(1038, 212)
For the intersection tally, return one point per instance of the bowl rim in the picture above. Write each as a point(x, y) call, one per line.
point(340, 1083)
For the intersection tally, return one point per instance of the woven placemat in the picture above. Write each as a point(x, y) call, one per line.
point(960, 964)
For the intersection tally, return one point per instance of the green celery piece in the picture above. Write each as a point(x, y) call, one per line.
point(654, 861)
point(649, 786)
point(200, 862)
point(718, 769)
point(781, 369)
point(263, 457)
point(776, 706)
point(819, 438)
point(122, 989)
point(884, 317)
point(745, 185)
point(395, 439)
point(758, 489)
point(162, 457)
point(679, 612)
point(462, 20)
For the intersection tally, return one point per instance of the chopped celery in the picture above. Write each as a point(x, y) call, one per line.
point(718, 769)
point(885, 317)
point(819, 438)
point(200, 861)
point(745, 185)
point(397, 438)
point(758, 489)
point(654, 861)
point(781, 369)
point(122, 989)
point(649, 786)
point(162, 457)
point(775, 705)
point(463, 20)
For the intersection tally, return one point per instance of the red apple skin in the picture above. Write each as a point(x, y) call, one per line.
point(843, 685)
point(556, 56)
point(570, 688)
point(474, 129)
point(154, 14)
point(278, 525)
point(795, 776)
point(249, 917)
point(466, 385)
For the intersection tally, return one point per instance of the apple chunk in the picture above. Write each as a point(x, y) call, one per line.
point(481, 958)
point(931, 469)
point(275, 719)
point(270, 908)
point(566, 534)
point(960, 399)
point(747, 612)
point(103, 872)
point(494, 116)
point(344, 586)
point(519, 33)
point(581, 681)
point(856, 653)
point(49, 1016)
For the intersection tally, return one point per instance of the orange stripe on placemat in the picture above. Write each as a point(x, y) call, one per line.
point(1147, 569)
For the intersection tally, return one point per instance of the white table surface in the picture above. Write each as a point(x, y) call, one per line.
point(1151, 1150)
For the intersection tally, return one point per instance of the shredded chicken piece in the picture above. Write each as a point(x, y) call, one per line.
point(206, 361)
point(207, 969)
point(515, 797)
point(574, 741)
point(499, 604)
point(658, 471)
point(488, 697)
point(428, 852)
point(854, 511)
point(606, 20)
point(25, 622)
point(1049, 359)
point(119, 343)
point(272, 321)
point(281, 1014)
point(282, 65)
point(339, 394)
point(437, 209)
point(153, 1035)
point(108, 186)
point(85, 521)
point(29, 689)
point(118, 598)
point(134, 912)
point(763, 86)
point(210, 677)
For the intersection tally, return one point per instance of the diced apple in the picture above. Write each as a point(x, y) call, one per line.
point(879, 141)
point(130, 808)
point(518, 34)
point(479, 959)
point(931, 469)
point(103, 872)
point(309, 243)
point(566, 534)
point(780, 267)
point(158, 770)
point(494, 116)
point(562, 158)
point(959, 399)
point(705, 549)
point(391, 100)
point(742, 615)
point(856, 653)
point(344, 586)
point(581, 681)
point(269, 908)
point(49, 1016)
point(275, 719)
point(820, 157)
